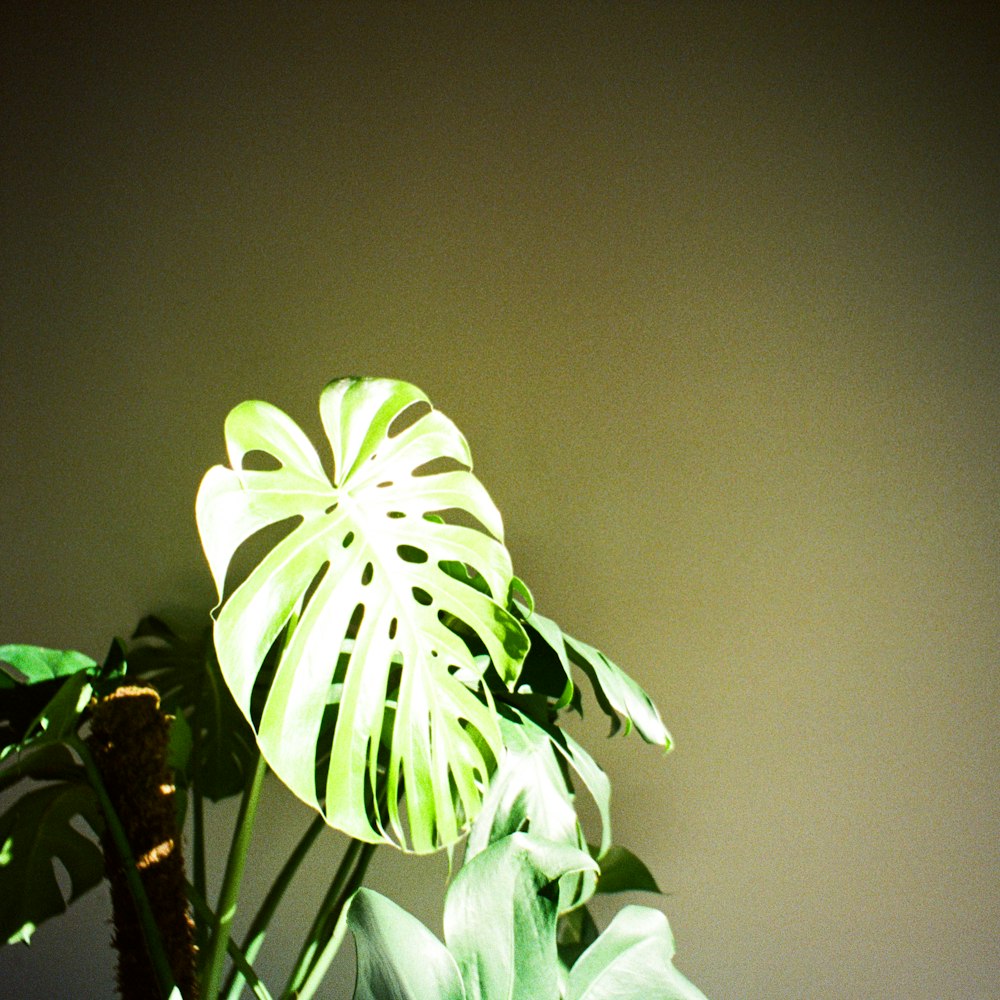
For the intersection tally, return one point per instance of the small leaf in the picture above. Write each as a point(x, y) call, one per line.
point(622, 871)
point(36, 664)
point(618, 695)
point(398, 958)
point(34, 832)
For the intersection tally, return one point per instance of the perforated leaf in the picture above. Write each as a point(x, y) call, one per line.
point(375, 626)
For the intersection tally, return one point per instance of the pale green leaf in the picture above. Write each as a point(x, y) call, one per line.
point(500, 917)
point(529, 792)
point(374, 620)
point(398, 958)
point(619, 695)
point(631, 960)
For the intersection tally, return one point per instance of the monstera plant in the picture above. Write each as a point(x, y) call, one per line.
point(373, 650)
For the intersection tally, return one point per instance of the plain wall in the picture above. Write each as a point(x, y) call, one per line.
point(712, 290)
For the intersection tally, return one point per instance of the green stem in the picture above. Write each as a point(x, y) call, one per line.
point(150, 931)
point(356, 856)
point(229, 894)
point(258, 927)
point(200, 868)
point(240, 960)
point(321, 963)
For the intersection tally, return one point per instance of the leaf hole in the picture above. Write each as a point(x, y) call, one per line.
point(316, 580)
point(460, 517)
point(257, 460)
point(348, 538)
point(411, 554)
point(367, 574)
point(331, 508)
point(353, 626)
point(443, 463)
point(408, 416)
point(422, 597)
point(393, 625)
point(252, 550)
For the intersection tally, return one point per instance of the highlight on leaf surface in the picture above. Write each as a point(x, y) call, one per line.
point(354, 646)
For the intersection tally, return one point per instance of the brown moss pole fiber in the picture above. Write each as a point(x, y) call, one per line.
point(128, 740)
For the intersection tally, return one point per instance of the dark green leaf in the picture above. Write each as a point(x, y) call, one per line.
point(40, 761)
point(622, 871)
point(59, 717)
point(34, 832)
point(577, 932)
point(185, 672)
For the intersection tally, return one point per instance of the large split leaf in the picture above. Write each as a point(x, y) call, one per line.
point(35, 832)
point(363, 597)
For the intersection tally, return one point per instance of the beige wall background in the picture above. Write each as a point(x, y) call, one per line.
point(712, 289)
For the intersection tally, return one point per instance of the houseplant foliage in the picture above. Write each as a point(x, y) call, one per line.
point(372, 649)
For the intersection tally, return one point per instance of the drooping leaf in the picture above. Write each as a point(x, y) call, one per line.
point(34, 832)
point(546, 668)
point(631, 960)
point(619, 696)
point(398, 958)
point(373, 619)
point(529, 792)
point(500, 917)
